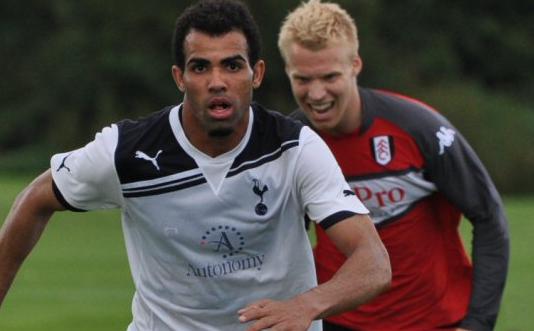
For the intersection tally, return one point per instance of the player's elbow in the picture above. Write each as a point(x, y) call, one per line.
point(380, 276)
point(384, 282)
point(378, 280)
point(382, 272)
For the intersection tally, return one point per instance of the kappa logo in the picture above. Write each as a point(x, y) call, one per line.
point(383, 149)
point(153, 160)
point(224, 239)
point(445, 138)
point(261, 208)
point(63, 165)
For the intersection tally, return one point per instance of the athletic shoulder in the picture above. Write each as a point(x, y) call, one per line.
point(136, 127)
point(408, 113)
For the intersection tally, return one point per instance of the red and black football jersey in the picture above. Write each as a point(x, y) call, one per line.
point(417, 175)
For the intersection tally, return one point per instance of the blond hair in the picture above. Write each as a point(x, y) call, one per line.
point(315, 25)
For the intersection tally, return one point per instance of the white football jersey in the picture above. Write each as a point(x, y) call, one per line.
point(207, 236)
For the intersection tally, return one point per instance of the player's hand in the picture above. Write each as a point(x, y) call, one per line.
point(290, 315)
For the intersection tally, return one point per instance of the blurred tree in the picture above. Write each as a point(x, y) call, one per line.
point(71, 67)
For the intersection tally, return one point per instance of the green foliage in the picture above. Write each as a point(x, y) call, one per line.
point(70, 68)
point(499, 128)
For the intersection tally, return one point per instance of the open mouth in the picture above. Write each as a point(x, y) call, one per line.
point(220, 108)
point(219, 105)
point(321, 107)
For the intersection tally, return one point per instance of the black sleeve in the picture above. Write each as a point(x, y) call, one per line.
point(461, 177)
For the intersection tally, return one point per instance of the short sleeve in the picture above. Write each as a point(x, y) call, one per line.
point(326, 196)
point(86, 178)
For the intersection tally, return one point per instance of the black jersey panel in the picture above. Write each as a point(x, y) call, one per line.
point(147, 149)
point(272, 134)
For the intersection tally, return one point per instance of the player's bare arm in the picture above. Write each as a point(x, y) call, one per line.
point(364, 275)
point(23, 227)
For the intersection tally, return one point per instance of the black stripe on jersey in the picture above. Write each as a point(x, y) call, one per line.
point(264, 159)
point(62, 200)
point(272, 134)
point(336, 218)
point(141, 192)
point(182, 183)
point(161, 185)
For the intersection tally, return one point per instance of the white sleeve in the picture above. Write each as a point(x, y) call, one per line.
point(320, 182)
point(86, 178)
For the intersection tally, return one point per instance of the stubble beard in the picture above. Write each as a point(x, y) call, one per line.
point(220, 132)
point(224, 130)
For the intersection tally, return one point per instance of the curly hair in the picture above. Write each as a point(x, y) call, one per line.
point(216, 18)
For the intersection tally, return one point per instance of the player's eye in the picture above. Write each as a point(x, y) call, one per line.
point(302, 80)
point(331, 77)
point(198, 68)
point(234, 66)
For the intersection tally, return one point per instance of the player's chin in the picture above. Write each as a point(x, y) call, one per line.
point(322, 122)
point(221, 131)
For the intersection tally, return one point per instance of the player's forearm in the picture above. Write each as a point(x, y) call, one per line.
point(364, 275)
point(490, 264)
point(20, 232)
point(15, 246)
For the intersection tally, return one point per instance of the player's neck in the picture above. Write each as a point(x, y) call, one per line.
point(351, 119)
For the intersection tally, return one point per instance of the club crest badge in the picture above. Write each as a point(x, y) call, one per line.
point(259, 189)
point(382, 147)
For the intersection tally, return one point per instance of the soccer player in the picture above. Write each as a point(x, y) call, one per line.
point(213, 194)
point(415, 173)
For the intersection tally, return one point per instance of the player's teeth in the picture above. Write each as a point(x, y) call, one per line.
point(321, 107)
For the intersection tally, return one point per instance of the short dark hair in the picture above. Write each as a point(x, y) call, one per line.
point(216, 18)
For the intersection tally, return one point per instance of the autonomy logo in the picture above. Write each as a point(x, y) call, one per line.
point(383, 149)
point(445, 138)
point(224, 239)
point(225, 268)
point(229, 242)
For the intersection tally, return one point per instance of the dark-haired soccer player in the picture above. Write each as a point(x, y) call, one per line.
point(213, 192)
point(416, 174)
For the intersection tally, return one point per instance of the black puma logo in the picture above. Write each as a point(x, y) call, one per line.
point(63, 165)
point(348, 192)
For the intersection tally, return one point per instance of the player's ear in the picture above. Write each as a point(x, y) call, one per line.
point(178, 76)
point(257, 73)
point(357, 65)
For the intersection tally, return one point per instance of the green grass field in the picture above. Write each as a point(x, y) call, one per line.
point(77, 278)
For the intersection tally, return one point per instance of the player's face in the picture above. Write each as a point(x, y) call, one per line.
point(217, 82)
point(324, 86)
